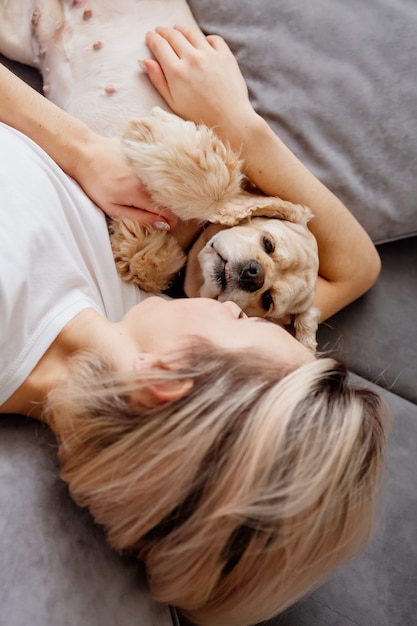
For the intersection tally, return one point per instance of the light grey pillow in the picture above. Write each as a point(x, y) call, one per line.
point(338, 82)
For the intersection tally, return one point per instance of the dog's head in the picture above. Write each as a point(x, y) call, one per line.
point(266, 265)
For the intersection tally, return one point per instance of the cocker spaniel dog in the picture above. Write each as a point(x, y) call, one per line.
point(255, 250)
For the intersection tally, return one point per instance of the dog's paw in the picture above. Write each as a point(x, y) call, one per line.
point(145, 256)
point(185, 167)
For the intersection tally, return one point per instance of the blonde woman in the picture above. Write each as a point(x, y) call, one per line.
point(240, 468)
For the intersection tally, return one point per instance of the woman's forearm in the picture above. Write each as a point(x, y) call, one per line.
point(95, 162)
point(59, 134)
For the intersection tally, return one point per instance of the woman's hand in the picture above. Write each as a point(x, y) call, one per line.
point(110, 182)
point(199, 78)
point(95, 162)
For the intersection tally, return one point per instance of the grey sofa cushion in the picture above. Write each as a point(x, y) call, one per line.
point(55, 568)
point(338, 82)
point(376, 336)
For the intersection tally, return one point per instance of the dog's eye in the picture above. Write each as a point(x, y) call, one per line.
point(267, 301)
point(268, 244)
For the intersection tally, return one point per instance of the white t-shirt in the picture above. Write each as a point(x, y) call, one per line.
point(55, 258)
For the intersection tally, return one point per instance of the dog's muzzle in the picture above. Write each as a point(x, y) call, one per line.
point(251, 276)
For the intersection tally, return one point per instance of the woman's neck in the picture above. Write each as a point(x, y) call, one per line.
point(80, 334)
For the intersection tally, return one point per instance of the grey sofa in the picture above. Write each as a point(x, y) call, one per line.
point(338, 82)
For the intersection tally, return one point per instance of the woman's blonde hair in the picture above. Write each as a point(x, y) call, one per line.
point(240, 497)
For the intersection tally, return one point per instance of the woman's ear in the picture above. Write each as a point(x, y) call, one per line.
point(153, 394)
point(167, 391)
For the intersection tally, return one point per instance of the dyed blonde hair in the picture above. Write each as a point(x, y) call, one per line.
point(240, 497)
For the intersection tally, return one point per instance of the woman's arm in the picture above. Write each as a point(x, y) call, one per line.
point(200, 79)
point(95, 162)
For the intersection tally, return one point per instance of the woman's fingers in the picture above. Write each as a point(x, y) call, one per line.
point(182, 40)
point(193, 35)
point(160, 221)
point(218, 43)
point(144, 218)
point(166, 42)
point(157, 77)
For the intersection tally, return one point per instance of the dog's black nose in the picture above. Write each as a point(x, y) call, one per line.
point(251, 276)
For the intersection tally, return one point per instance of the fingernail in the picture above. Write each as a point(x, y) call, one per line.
point(143, 66)
point(161, 225)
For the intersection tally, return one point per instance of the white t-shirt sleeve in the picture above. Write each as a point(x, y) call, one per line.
point(56, 258)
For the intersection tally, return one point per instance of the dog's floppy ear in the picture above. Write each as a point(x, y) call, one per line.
point(184, 167)
point(280, 209)
point(246, 205)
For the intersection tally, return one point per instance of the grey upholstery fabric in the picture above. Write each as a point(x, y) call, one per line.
point(377, 335)
point(55, 567)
